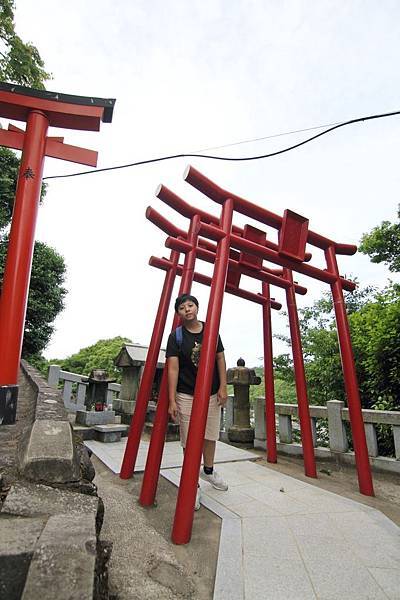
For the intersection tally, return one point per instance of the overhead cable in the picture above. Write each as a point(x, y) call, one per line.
point(227, 158)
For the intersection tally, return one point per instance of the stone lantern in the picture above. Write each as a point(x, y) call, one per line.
point(96, 395)
point(131, 360)
point(241, 378)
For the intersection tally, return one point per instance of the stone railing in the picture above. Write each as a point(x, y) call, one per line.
point(335, 416)
point(74, 388)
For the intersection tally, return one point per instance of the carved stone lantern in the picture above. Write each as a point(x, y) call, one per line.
point(241, 378)
point(96, 395)
point(131, 360)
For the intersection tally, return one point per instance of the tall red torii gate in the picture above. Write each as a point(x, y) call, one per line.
point(238, 251)
point(40, 110)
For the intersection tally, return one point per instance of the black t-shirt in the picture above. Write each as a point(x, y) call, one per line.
point(189, 356)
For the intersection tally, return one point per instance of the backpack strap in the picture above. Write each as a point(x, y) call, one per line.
point(179, 336)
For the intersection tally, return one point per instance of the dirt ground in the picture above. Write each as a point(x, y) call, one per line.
point(144, 563)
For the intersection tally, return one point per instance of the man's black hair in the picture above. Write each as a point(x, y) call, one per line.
point(184, 298)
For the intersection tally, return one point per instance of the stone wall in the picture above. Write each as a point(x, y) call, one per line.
point(50, 514)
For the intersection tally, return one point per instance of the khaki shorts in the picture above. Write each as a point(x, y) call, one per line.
point(184, 403)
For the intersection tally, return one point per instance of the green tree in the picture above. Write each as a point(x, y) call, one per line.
point(21, 63)
point(100, 355)
point(45, 298)
point(374, 320)
point(382, 244)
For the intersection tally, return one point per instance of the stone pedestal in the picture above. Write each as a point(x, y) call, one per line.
point(91, 417)
point(241, 378)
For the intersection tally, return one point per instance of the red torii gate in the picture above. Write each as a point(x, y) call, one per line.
point(40, 109)
point(229, 264)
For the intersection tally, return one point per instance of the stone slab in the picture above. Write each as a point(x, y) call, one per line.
point(111, 427)
point(63, 563)
point(107, 437)
point(112, 455)
point(91, 417)
point(47, 453)
point(18, 538)
point(317, 544)
point(35, 500)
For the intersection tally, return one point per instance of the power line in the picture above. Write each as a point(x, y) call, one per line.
point(267, 137)
point(230, 158)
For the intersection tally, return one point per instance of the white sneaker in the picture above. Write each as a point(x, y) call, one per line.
point(198, 498)
point(215, 479)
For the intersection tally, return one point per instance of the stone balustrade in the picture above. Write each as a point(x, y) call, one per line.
point(74, 388)
point(335, 416)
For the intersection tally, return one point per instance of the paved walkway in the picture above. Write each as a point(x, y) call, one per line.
point(282, 538)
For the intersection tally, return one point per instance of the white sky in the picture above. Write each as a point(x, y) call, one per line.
point(194, 74)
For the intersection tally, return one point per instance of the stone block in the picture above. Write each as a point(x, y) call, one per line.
point(285, 429)
point(126, 407)
point(337, 432)
point(314, 430)
point(17, 543)
point(109, 433)
point(242, 435)
point(372, 442)
point(35, 500)
point(91, 417)
point(259, 418)
point(53, 376)
point(396, 438)
point(63, 564)
point(47, 453)
point(228, 409)
point(83, 433)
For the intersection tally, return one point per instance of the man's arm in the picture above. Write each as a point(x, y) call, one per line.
point(173, 372)
point(222, 393)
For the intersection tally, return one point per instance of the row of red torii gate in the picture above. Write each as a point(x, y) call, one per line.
point(237, 251)
point(234, 251)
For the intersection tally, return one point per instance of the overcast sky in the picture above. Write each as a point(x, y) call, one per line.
point(194, 74)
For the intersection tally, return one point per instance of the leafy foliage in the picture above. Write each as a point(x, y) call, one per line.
point(100, 355)
point(374, 320)
point(20, 62)
point(382, 244)
point(9, 165)
point(45, 298)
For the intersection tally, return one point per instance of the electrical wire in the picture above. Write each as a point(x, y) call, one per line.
point(226, 158)
point(266, 137)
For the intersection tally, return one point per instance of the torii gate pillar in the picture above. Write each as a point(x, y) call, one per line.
point(39, 109)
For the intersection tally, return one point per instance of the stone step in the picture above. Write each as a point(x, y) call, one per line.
point(84, 433)
point(172, 434)
point(110, 433)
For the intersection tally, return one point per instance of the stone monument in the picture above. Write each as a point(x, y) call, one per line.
point(241, 378)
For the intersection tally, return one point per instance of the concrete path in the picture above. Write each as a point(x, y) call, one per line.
point(112, 454)
point(282, 538)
